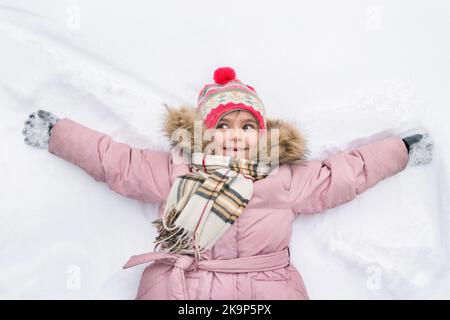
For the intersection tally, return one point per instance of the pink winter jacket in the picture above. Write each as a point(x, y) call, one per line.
point(251, 260)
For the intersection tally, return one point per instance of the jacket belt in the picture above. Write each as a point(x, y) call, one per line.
point(183, 263)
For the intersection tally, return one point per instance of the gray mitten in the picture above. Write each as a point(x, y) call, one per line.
point(420, 148)
point(37, 128)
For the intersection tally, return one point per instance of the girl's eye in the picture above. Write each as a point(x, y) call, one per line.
point(248, 127)
point(222, 126)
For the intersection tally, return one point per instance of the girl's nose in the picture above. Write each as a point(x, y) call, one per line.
point(236, 134)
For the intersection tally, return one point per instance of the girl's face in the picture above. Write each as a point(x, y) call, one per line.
point(236, 135)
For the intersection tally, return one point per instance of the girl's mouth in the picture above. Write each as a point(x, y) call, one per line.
point(235, 149)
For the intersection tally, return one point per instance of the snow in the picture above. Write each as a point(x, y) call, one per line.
point(346, 73)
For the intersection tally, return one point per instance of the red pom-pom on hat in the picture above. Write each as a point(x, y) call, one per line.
point(224, 75)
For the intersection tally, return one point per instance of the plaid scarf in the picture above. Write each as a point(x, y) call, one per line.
point(202, 205)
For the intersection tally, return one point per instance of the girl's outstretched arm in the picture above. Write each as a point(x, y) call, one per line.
point(140, 174)
point(321, 184)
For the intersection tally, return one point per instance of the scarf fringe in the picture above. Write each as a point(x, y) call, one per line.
point(184, 240)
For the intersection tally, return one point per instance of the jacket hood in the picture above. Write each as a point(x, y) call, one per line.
point(292, 143)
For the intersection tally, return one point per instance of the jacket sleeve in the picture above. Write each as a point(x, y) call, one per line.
point(136, 173)
point(318, 185)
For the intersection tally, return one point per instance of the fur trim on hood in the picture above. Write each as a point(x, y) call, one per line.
point(292, 143)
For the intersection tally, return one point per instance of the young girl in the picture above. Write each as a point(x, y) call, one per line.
point(229, 190)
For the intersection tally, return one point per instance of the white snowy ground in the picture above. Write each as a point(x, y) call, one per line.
point(342, 70)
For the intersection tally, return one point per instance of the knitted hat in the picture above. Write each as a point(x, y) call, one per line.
point(228, 94)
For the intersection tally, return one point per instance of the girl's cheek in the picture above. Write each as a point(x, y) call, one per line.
point(219, 141)
point(219, 138)
point(252, 139)
point(252, 145)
